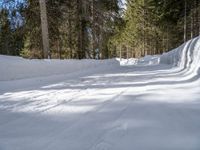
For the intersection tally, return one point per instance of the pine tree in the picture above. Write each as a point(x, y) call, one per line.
point(5, 34)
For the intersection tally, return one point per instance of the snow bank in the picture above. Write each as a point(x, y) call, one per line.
point(147, 60)
point(186, 57)
point(127, 62)
point(12, 68)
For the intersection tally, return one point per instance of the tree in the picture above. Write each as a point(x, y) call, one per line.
point(156, 26)
point(5, 34)
point(11, 31)
point(45, 32)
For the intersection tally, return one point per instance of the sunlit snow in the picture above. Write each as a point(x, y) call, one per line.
point(152, 103)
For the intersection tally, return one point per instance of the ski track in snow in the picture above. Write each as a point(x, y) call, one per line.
point(143, 106)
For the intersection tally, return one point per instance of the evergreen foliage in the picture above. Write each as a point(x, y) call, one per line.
point(156, 26)
point(97, 29)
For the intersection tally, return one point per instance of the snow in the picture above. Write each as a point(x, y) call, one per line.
point(152, 103)
point(147, 60)
point(13, 68)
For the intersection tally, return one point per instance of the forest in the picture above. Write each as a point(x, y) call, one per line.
point(96, 29)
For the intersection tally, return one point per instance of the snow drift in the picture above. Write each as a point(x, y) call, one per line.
point(13, 68)
point(186, 58)
point(152, 106)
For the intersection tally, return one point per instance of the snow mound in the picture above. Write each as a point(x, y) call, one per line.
point(186, 57)
point(127, 62)
point(147, 60)
point(13, 68)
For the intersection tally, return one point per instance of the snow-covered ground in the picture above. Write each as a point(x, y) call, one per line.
point(13, 68)
point(147, 104)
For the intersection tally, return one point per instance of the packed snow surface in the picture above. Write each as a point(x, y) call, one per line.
point(13, 68)
point(148, 104)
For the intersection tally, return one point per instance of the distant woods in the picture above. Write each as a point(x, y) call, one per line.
point(77, 29)
point(95, 29)
point(157, 26)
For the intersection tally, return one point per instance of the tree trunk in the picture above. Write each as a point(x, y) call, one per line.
point(120, 52)
point(185, 21)
point(127, 51)
point(192, 21)
point(93, 29)
point(44, 25)
point(143, 53)
point(199, 17)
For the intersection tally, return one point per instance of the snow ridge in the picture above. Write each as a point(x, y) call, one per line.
point(186, 58)
point(14, 68)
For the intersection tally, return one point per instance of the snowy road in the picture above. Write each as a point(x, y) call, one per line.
point(148, 106)
point(125, 108)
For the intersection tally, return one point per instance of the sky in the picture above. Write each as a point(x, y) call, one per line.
point(124, 1)
point(10, 3)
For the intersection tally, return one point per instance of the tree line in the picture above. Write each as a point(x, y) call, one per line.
point(156, 26)
point(95, 29)
point(77, 29)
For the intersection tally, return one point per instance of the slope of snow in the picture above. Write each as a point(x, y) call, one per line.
point(147, 60)
point(153, 104)
point(13, 68)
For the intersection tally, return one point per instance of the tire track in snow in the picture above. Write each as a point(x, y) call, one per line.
point(106, 102)
point(85, 116)
point(77, 95)
point(45, 102)
point(100, 143)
